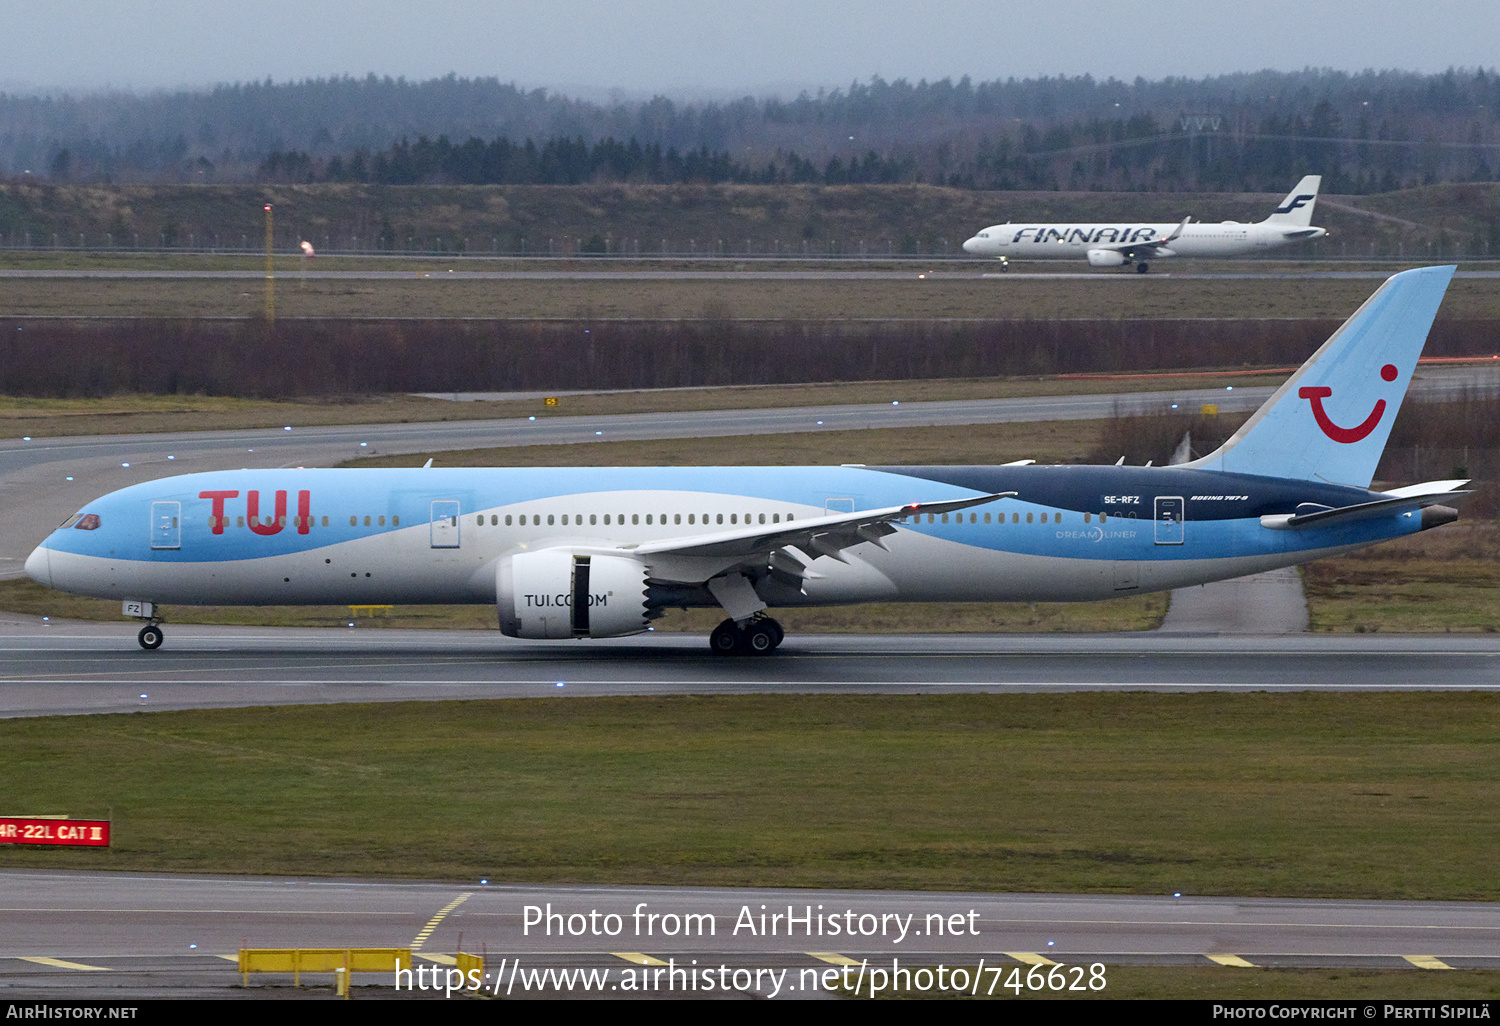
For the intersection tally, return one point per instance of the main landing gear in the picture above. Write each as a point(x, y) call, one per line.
point(760, 636)
point(1142, 267)
point(150, 637)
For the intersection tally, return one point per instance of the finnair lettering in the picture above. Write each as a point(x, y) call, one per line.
point(1123, 233)
point(562, 599)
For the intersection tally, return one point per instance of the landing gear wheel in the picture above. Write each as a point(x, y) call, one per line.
point(762, 637)
point(1142, 267)
point(150, 637)
point(726, 639)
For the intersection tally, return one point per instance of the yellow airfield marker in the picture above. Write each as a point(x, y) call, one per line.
point(637, 957)
point(1234, 960)
point(1029, 957)
point(1427, 962)
point(832, 958)
point(62, 964)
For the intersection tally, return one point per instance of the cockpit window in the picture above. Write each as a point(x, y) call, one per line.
point(87, 522)
point(70, 521)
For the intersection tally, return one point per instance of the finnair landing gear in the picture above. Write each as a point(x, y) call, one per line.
point(1142, 267)
point(150, 637)
point(760, 636)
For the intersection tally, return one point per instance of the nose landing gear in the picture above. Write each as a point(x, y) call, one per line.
point(761, 635)
point(150, 636)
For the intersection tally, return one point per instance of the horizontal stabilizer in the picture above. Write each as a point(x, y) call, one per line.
point(1398, 501)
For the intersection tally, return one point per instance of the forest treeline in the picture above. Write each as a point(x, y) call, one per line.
point(1365, 132)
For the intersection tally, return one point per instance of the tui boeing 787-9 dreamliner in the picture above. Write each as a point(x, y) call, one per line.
point(601, 552)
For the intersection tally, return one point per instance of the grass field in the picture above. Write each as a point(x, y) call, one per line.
point(1312, 794)
point(952, 292)
point(1445, 581)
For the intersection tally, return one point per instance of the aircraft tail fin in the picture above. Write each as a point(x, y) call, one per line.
point(1297, 209)
point(1330, 420)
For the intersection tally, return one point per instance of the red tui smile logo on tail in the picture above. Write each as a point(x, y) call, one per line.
point(1317, 394)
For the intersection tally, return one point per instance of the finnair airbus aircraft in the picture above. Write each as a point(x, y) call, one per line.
point(1113, 245)
point(600, 553)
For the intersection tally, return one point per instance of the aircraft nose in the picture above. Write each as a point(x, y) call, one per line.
point(39, 566)
point(971, 245)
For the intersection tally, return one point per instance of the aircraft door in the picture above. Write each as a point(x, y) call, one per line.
point(166, 525)
point(444, 524)
point(1169, 529)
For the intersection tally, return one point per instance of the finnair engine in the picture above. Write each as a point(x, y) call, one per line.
point(559, 594)
point(1106, 258)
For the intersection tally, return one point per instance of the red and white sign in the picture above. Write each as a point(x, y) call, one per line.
point(26, 830)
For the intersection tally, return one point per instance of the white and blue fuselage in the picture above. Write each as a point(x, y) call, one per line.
point(435, 536)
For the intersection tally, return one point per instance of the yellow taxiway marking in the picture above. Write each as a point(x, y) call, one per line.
point(61, 964)
point(1427, 962)
point(637, 957)
point(1029, 957)
point(1234, 960)
point(230, 958)
point(441, 959)
point(833, 958)
point(432, 924)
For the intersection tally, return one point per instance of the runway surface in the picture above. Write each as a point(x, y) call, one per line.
point(122, 935)
point(69, 668)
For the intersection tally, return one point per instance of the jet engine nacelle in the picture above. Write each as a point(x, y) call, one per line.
point(1106, 258)
point(556, 593)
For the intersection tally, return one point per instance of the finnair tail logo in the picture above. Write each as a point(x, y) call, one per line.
point(1295, 202)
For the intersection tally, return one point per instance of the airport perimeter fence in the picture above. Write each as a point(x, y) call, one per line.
point(608, 248)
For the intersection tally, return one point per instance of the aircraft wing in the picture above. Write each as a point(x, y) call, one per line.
point(817, 536)
point(1145, 247)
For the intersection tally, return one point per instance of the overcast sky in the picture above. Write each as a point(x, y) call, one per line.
point(704, 47)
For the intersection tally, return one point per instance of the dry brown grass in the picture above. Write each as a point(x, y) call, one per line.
point(952, 292)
